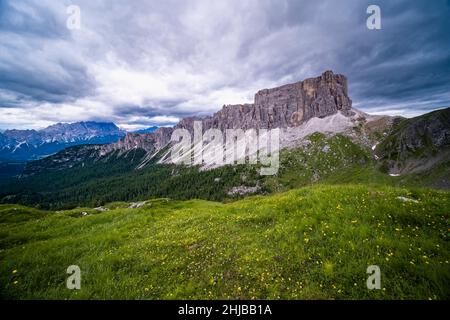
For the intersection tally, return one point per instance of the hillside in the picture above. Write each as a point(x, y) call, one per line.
point(308, 243)
point(10, 168)
point(418, 143)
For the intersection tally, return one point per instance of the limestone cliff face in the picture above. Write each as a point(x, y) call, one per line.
point(292, 104)
point(150, 142)
point(129, 142)
point(286, 106)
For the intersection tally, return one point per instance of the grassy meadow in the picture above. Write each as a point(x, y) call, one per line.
point(308, 243)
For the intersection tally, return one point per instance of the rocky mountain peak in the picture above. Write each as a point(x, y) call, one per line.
point(287, 106)
point(282, 107)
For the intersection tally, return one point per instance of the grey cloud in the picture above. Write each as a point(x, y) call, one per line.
point(32, 18)
point(233, 45)
point(153, 109)
point(37, 61)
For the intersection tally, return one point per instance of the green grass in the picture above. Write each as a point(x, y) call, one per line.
point(303, 166)
point(309, 243)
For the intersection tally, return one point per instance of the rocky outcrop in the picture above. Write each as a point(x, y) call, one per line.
point(416, 143)
point(293, 104)
point(129, 142)
point(286, 106)
point(420, 135)
point(150, 142)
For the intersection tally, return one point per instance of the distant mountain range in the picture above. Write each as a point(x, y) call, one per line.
point(27, 145)
point(147, 130)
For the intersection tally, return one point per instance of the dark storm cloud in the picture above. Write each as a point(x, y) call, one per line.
point(141, 63)
point(37, 63)
point(32, 19)
point(408, 61)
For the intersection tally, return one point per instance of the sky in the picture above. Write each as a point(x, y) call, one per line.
point(144, 63)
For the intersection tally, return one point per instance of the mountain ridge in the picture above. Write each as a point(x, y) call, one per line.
point(35, 144)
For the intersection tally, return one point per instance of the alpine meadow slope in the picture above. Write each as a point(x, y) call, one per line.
point(309, 243)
